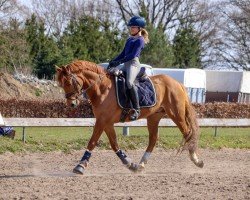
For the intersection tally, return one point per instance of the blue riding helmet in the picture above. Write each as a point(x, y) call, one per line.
point(137, 21)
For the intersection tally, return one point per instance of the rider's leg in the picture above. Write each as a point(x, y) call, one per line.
point(133, 94)
point(132, 69)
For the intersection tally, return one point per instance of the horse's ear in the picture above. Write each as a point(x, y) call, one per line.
point(66, 69)
point(58, 69)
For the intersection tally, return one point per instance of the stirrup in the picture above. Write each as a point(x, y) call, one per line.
point(135, 115)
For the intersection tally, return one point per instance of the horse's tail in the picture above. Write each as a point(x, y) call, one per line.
point(191, 142)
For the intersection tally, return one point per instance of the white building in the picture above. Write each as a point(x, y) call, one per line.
point(193, 79)
point(228, 86)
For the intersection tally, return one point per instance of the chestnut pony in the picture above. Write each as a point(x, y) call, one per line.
point(172, 100)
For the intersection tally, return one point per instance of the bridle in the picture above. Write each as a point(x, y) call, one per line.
point(78, 88)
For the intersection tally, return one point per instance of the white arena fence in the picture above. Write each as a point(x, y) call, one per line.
point(89, 122)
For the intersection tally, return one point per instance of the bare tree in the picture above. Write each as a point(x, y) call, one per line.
point(162, 13)
point(204, 17)
point(56, 14)
point(14, 53)
point(13, 47)
point(236, 46)
point(11, 9)
point(7, 8)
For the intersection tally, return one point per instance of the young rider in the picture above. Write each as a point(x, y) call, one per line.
point(130, 57)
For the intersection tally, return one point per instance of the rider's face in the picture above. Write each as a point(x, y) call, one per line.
point(134, 30)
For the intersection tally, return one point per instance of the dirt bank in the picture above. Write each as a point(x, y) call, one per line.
point(28, 88)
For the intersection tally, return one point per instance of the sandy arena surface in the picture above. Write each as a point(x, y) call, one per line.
point(226, 175)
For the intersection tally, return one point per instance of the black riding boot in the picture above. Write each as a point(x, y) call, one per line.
point(135, 102)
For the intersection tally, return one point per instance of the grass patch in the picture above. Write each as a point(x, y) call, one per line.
point(45, 139)
point(38, 92)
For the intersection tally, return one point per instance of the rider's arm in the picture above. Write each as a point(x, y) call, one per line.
point(120, 56)
point(134, 52)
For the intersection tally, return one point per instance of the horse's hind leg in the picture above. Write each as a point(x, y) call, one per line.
point(179, 114)
point(152, 124)
point(110, 131)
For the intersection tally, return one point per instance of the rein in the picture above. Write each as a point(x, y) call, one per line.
point(76, 84)
point(92, 84)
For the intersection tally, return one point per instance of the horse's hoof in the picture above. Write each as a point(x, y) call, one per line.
point(79, 169)
point(195, 160)
point(141, 167)
point(200, 164)
point(133, 167)
point(136, 168)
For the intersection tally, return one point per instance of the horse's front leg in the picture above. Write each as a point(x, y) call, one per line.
point(98, 129)
point(110, 131)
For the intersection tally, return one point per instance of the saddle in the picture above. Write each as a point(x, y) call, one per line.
point(145, 89)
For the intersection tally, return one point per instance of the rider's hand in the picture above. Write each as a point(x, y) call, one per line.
point(113, 64)
point(114, 71)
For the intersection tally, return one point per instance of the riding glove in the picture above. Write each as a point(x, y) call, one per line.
point(113, 63)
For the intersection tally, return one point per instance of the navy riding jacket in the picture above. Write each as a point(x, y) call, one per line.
point(132, 49)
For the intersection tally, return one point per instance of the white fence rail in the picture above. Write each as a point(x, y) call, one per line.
point(88, 122)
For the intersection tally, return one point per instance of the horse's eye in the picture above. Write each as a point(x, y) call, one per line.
point(66, 82)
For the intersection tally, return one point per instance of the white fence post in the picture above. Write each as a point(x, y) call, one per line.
point(1, 120)
point(125, 131)
point(24, 135)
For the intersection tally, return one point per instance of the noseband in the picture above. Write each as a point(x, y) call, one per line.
point(76, 85)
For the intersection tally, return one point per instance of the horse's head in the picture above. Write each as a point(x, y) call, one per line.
point(71, 83)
